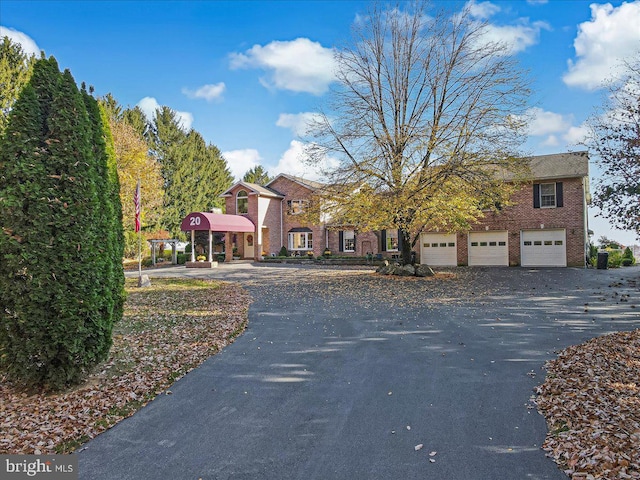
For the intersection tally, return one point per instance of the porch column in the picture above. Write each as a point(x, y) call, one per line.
point(228, 247)
point(153, 253)
point(210, 246)
point(193, 245)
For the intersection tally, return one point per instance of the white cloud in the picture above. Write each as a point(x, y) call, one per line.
point(482, 10)
point(149, 105)
point(576, 135)
point(240, 161)
point(537, 2)
point(27, 43)
point(551, 141)
point(611, 35)
point(208, 92)
point(543, 122)
point(516, 37)
point(297, 122)
point(299, 65)
point(292, 163)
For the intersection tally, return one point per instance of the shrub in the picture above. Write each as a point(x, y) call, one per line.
point(61, 234)
point(283, 252)
point(615, 258)
point(182, 258)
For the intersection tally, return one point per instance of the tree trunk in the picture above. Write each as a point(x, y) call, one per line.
point(405, 241)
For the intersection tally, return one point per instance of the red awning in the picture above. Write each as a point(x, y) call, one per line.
point(217, 222)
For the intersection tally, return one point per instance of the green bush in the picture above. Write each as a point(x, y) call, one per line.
point(615, 258)
point(283, 252)
point(627, 258)
point(61, 236)
point(182, 258)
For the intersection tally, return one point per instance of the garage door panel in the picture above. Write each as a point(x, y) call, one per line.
point(439, 249)
point(488, 249)
point(543, 248)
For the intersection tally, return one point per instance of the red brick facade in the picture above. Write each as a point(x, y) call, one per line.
point(269, 210)
point(523, 216)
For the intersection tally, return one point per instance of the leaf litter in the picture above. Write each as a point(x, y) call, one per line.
point(167, 330)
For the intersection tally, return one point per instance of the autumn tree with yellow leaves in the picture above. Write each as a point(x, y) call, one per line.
point(423, 125)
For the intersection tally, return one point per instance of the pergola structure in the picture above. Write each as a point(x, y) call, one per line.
point(159, 241)
point(214, 222)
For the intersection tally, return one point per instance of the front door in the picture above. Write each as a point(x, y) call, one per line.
point(248, 245)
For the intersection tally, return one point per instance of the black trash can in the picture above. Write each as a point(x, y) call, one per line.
point(603, 260)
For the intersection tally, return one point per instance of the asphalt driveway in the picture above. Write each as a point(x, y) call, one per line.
point(343, 374)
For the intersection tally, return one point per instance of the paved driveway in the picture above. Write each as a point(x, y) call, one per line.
point(342, 374)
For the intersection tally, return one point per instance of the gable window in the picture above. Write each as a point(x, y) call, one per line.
point(347, 240)
point(295, 207)
point(301, 240)
point(242, 202)
point(547, 195)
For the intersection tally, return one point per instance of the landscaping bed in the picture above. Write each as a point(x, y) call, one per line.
point(167, 330)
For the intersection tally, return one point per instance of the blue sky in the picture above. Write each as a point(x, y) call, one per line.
point(246, 74)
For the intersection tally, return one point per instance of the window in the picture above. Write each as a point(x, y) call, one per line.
point(300, 240)
point(392, 240)
point(547, 195)
point(348, 241)
point(558, 242)
point(295, 207)
point(474, 244)
point(527, 243)
point(451, 244)
point(242, 202)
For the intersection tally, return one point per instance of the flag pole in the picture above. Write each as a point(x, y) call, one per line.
point(137, 205)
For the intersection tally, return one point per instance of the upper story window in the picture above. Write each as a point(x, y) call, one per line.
point(547, 195)
point(242, 202)
point(295, 207)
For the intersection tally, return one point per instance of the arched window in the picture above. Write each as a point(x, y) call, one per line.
point(242, 202)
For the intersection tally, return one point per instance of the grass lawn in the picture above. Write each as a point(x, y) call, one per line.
point(167, 330)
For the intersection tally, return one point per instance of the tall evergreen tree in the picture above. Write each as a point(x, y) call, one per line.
point(257, 175)
point(194, 173)
point(15, 69)
point(59, 233)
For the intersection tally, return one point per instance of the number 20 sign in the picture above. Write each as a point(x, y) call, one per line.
point(194, 221)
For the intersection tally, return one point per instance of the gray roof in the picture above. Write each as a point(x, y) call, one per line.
point(310, 184)
point(559, 165)
point(255, 189)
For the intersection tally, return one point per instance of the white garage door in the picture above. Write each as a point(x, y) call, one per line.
point(488, 249)
point(439, 249)
point(543, 248)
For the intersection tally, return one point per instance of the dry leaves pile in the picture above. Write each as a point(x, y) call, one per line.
point(167, 330)
point(591, 400)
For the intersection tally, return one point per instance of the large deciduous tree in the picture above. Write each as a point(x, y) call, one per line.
point(61, 239)
point(134, 163)
point(15, 69)
point(614, 139)
point(425, 123)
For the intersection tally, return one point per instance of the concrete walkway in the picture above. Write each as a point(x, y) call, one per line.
point(343, 374)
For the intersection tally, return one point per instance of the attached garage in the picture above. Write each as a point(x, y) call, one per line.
point(488, 249)
point(438, 249)
point(543, 248)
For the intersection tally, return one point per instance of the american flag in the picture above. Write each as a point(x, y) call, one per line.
point(136, 203)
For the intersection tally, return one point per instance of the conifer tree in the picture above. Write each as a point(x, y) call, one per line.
point(59, 233)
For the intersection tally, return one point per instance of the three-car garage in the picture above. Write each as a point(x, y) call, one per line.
point(538, 248)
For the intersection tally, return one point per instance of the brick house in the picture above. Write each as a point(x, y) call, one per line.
point(546, 225)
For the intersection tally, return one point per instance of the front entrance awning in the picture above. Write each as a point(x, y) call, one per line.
point(217, 222)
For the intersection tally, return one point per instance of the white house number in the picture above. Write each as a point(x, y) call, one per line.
point(194, 221)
